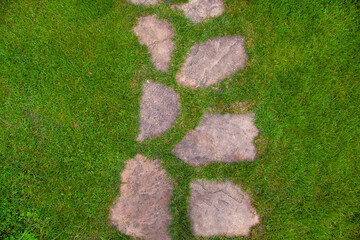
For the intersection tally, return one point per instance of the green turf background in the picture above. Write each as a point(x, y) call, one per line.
point(71, 73)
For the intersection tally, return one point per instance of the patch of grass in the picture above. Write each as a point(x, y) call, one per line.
point(71, 74)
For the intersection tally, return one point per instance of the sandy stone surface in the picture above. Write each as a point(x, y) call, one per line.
point(159, 109)
point(157, 36)
point(212, 61)
point(144, 2)
point(220, 209)
point(199, 10)
point(142, 209)
point(219, 138)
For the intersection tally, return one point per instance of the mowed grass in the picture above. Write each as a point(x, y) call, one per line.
point(71, 73)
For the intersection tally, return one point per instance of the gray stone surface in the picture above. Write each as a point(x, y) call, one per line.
point(212, 61)
point(220, 209)
point(142, 209)
point(157, 36)
point(144, 2)
point(159, 109)
point(219, 138)
point(199, 10)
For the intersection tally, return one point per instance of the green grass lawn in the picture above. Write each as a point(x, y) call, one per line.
point(71, 73)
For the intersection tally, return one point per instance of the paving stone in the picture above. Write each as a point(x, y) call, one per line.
point(159, 109)
point(199, 10)
point(220, 209)
point(219, 138)
point(157, 36)
point(142, 209)
point(212, 61)
point(144, 2)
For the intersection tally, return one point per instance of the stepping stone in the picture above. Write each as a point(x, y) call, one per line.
point(159, 109)
point(157, 36)
point(212, 61)
point(142, 209)
point(199, 10)
point(144, 2)
point(220, 209)
point(219, 138)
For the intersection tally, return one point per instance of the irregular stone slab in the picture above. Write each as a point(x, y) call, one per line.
point(220, 209)
point(219, 138)
point(157, 36)
point(199, 10)
point(142, 209)
point(144, 2)
point(159, 109)
point(210, 62)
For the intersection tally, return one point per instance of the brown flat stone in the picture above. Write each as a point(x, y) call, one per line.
point(144, 2)
point(220, 209)
point(199, 10)
point(157, 36)
point(219, 138)
point(159, 109)
point(142, 209)
point(212, 61)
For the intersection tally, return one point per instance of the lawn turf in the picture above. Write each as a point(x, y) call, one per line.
point(71, 73)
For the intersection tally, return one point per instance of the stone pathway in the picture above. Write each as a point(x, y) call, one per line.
point(157, 36)
point(219, 138)
point(199, 10)
point(220, 209)
point(142, 210)
point(159, 109)
point(211, 61)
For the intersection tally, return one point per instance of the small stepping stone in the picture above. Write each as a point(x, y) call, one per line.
point(157, 36)
point(199, 10)
point(212, 61)
point(144, 2)
point(220, 209)
point(142, 209)
point(219, 138)
point(159, 109)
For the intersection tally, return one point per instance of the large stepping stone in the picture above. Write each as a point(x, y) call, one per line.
point(212, 61)
point(219, 138)
point(159, 109)
point(144, 2)
point(199, 10)
point(220, 209)
point(142, 210)
point(157, 36)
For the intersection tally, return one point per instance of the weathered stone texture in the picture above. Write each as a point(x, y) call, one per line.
point(144, 2)
point(159, 109)
point(142, 209)
point(219, 138)
point(199, 10)
point(157, 36)
point(212, 61)
point(220, 209)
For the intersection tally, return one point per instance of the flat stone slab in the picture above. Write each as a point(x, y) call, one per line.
point(159, 109)
point(219, 138)
point(220, 209)
point(199, 10)
point(144, 2)
point(157, 36)
point(212, 61)
point(142, 209)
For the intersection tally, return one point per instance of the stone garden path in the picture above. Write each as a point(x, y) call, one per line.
point(142, 211)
